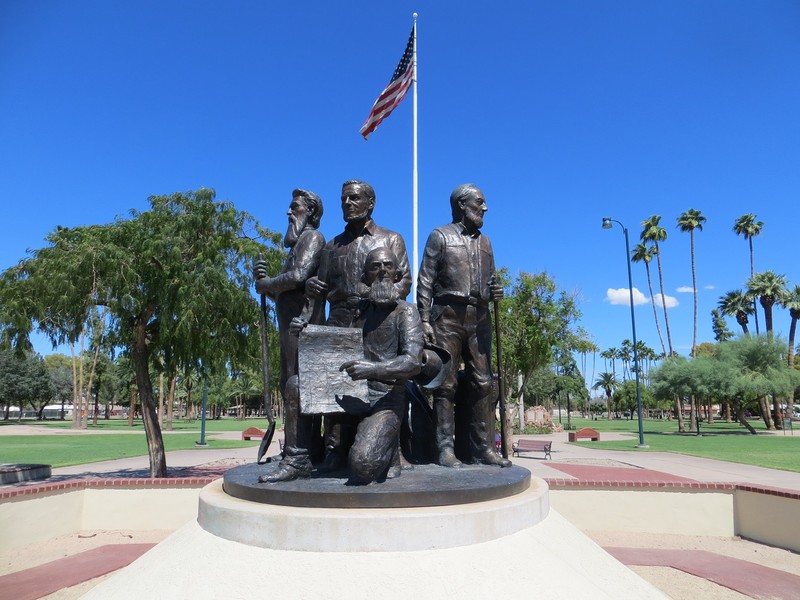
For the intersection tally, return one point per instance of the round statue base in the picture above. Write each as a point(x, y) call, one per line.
point(424, 485)
point(370, 529)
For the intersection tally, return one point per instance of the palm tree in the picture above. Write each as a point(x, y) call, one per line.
point(769, 288)
point(610, 354)
point(644, 253)
point(654, 234)
point(689, 221)
point(791, 302)
point(736, 304)
point(747, 226)
point(608, 383)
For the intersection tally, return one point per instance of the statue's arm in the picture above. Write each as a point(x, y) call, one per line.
point(307, 253)
point(427, 274)
point(408, 362)
point(399, 248)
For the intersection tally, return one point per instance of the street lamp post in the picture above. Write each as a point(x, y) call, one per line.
point(608, 224)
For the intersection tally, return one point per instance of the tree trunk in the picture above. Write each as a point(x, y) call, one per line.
point(679, 414)
point(764, 407)
point(728, 417)
point(171, 401)
point(663, 299)
point(133, 406)
point(743, 419)
point(655, 311)
point(776, 407)
point(161, 399)
point(75, 392)
point(694, 289)
point(155, 442)
point(694, 414)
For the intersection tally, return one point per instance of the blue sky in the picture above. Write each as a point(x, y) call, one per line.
point(562, 112)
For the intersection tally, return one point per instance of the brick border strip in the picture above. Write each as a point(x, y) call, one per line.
point(554, 483)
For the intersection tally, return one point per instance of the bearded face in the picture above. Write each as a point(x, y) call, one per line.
point(383, 293)
point(474, 208)
point(298, 217)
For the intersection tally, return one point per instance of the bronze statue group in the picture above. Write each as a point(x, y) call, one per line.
point(363, 275)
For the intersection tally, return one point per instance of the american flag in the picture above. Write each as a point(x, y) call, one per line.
point(394, 93)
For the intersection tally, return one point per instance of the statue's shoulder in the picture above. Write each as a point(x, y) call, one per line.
point(312, 236)
point(384, 232)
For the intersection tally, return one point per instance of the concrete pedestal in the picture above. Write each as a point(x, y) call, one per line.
point(515, 547)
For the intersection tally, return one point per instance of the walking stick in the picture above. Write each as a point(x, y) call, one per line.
point(500, 383)
point(267, 439)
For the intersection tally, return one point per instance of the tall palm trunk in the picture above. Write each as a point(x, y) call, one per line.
point(752, 273)
point(694, 289)
point(663, 298)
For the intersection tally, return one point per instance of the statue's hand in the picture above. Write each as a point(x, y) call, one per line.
point(359, 369)
point(315, 287)
point(297, 325)
point(496, 292)
point(427, 331)
point(260, 269)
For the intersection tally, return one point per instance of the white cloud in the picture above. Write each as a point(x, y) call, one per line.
point(622, 296)
point(670, 301)
point(709, 287)
point(685, 289)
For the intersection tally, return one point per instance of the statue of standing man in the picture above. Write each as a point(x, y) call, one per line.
point(455, 287)
point(305, 245)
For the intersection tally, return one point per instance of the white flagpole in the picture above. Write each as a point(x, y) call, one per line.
point(415, 263)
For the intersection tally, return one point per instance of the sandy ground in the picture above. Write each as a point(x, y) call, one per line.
point(676, 584)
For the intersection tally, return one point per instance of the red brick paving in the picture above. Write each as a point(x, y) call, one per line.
point(46, 579)
point(601, 473)
point(755, 581)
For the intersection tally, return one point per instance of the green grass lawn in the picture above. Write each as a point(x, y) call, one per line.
point(182, 425)
point(721, 441)
point(67, 450)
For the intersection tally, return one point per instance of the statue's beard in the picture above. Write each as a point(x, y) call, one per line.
point(382, 292)
point(293, 232)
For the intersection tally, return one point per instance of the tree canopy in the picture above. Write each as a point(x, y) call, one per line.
point(174, 280)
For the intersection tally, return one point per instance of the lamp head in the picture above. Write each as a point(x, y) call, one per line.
point(607, 223)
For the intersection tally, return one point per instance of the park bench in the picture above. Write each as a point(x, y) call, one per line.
point(526, 445)
point(252, 432)
point(585, 433)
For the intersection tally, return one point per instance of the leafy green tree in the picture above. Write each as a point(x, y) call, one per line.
point(769, 288)
point(173, 278)
point(763, 371)
point(736, 304)
point(625, 397)
point(645, 253)
point(653, 233)
point(687, 222)
point(24, 381)
point(721, 331)
point(536, 321)
point(59, 367)
point(748, 226)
